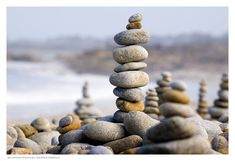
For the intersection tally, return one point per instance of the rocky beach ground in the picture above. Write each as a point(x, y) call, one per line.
point(165, 120)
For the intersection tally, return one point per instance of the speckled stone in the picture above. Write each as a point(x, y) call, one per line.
point(104, 131)
point(132, 37)
point(130, 67)
point(132, 94)
point(129, 79)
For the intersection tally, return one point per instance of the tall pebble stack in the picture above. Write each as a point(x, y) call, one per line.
point(203, 104)
point(163, 84)
point(151, 104)
point(221, 104)
point(128, 77)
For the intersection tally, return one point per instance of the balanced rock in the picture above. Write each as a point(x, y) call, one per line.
point(137, 123)
point(104, 131)
point(135, 18)
point(130, 66)
point(175, 96)
point(119, 116)
point(127, 106)
point(131, 94)
point(129, 79)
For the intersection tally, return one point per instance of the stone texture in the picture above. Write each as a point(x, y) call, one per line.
point(134, 25)
point(129, 79)
point(220, 144)
point(135, 18)
point(132, 94)
point(132, 37)
point(100, 150)
point(192, 145)
point(74, 136)
point(76, 148)
point(137, 123)
point(119, 116)
point(18, 151)
point(132, 53)
point(179, 85)
point(28, 144)
point(176, 109)
point(44, 137)
point(175, 96)
point(28, 130)
point(104, 131)
point(41, 124)
point(178, 127)
point(130, 67)
point(123, 144)
point(212, 129)
point(127, 106)
point(65, 121)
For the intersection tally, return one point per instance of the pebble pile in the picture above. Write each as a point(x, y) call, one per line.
point(203, 104)
point(151, 104)
point(84, 110)
point(163, 84)
point(175, 134)
point(221, 104)
point(128, 77)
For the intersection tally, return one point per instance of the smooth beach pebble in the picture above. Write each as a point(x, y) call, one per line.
point(123, 144)
point(136, 17)
point(28, 130)
point(130, 67)
point(129, 54)
point(119, 116)
point(220, 144)
point(129, 79)
point(44, 137)
point(73, 136)
point(175, 96)
point(179, 128)
point(134, 25)
point(176, 109)
point(100, 150)
point(65, 121)
point(131, 94)
point(137, 123)
point(179, 85)
point(104, 131)
point(132, 37)
point(76, 148)
point(127, 106)
point(41, 124)
point(28, 144)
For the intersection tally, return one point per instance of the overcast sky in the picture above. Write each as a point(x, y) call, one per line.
point(47, 22)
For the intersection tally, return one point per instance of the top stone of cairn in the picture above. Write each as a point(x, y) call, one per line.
point(135, 18)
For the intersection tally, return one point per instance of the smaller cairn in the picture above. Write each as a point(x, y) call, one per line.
point(163, 84)
point(175, 134)
point(151, 104)
point(221, 104)
point(83, 109)
point(203, 104)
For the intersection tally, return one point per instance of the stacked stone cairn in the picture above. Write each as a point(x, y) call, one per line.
point(203, 104)
point(84, 110)
point(163, 84)
point(174, 134)
point(151, 104)
point(221, 104)
point(128, 77)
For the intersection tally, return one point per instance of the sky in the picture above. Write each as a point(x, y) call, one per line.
point(39, 23)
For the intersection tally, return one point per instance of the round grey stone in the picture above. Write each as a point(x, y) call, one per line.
point(136, 17)
point(65, 121)
point(216, 112)
point(179, 85)
point(130, 66)
point(44, 137)
point(41, 124)
point(73, 136)
point(104, 131)
point(137, 123)
point(132, 53)
point(129, 79)
point(131, 94)
point(176, 109)
point(132, 37)
point(119, 116)
point(54, 141)
point(29, 144)
point(100, 150)
point(219, 143)
point(179, 128)
point(76, 148)
point(192, 145)
point(223, 95)
point(11, 131)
